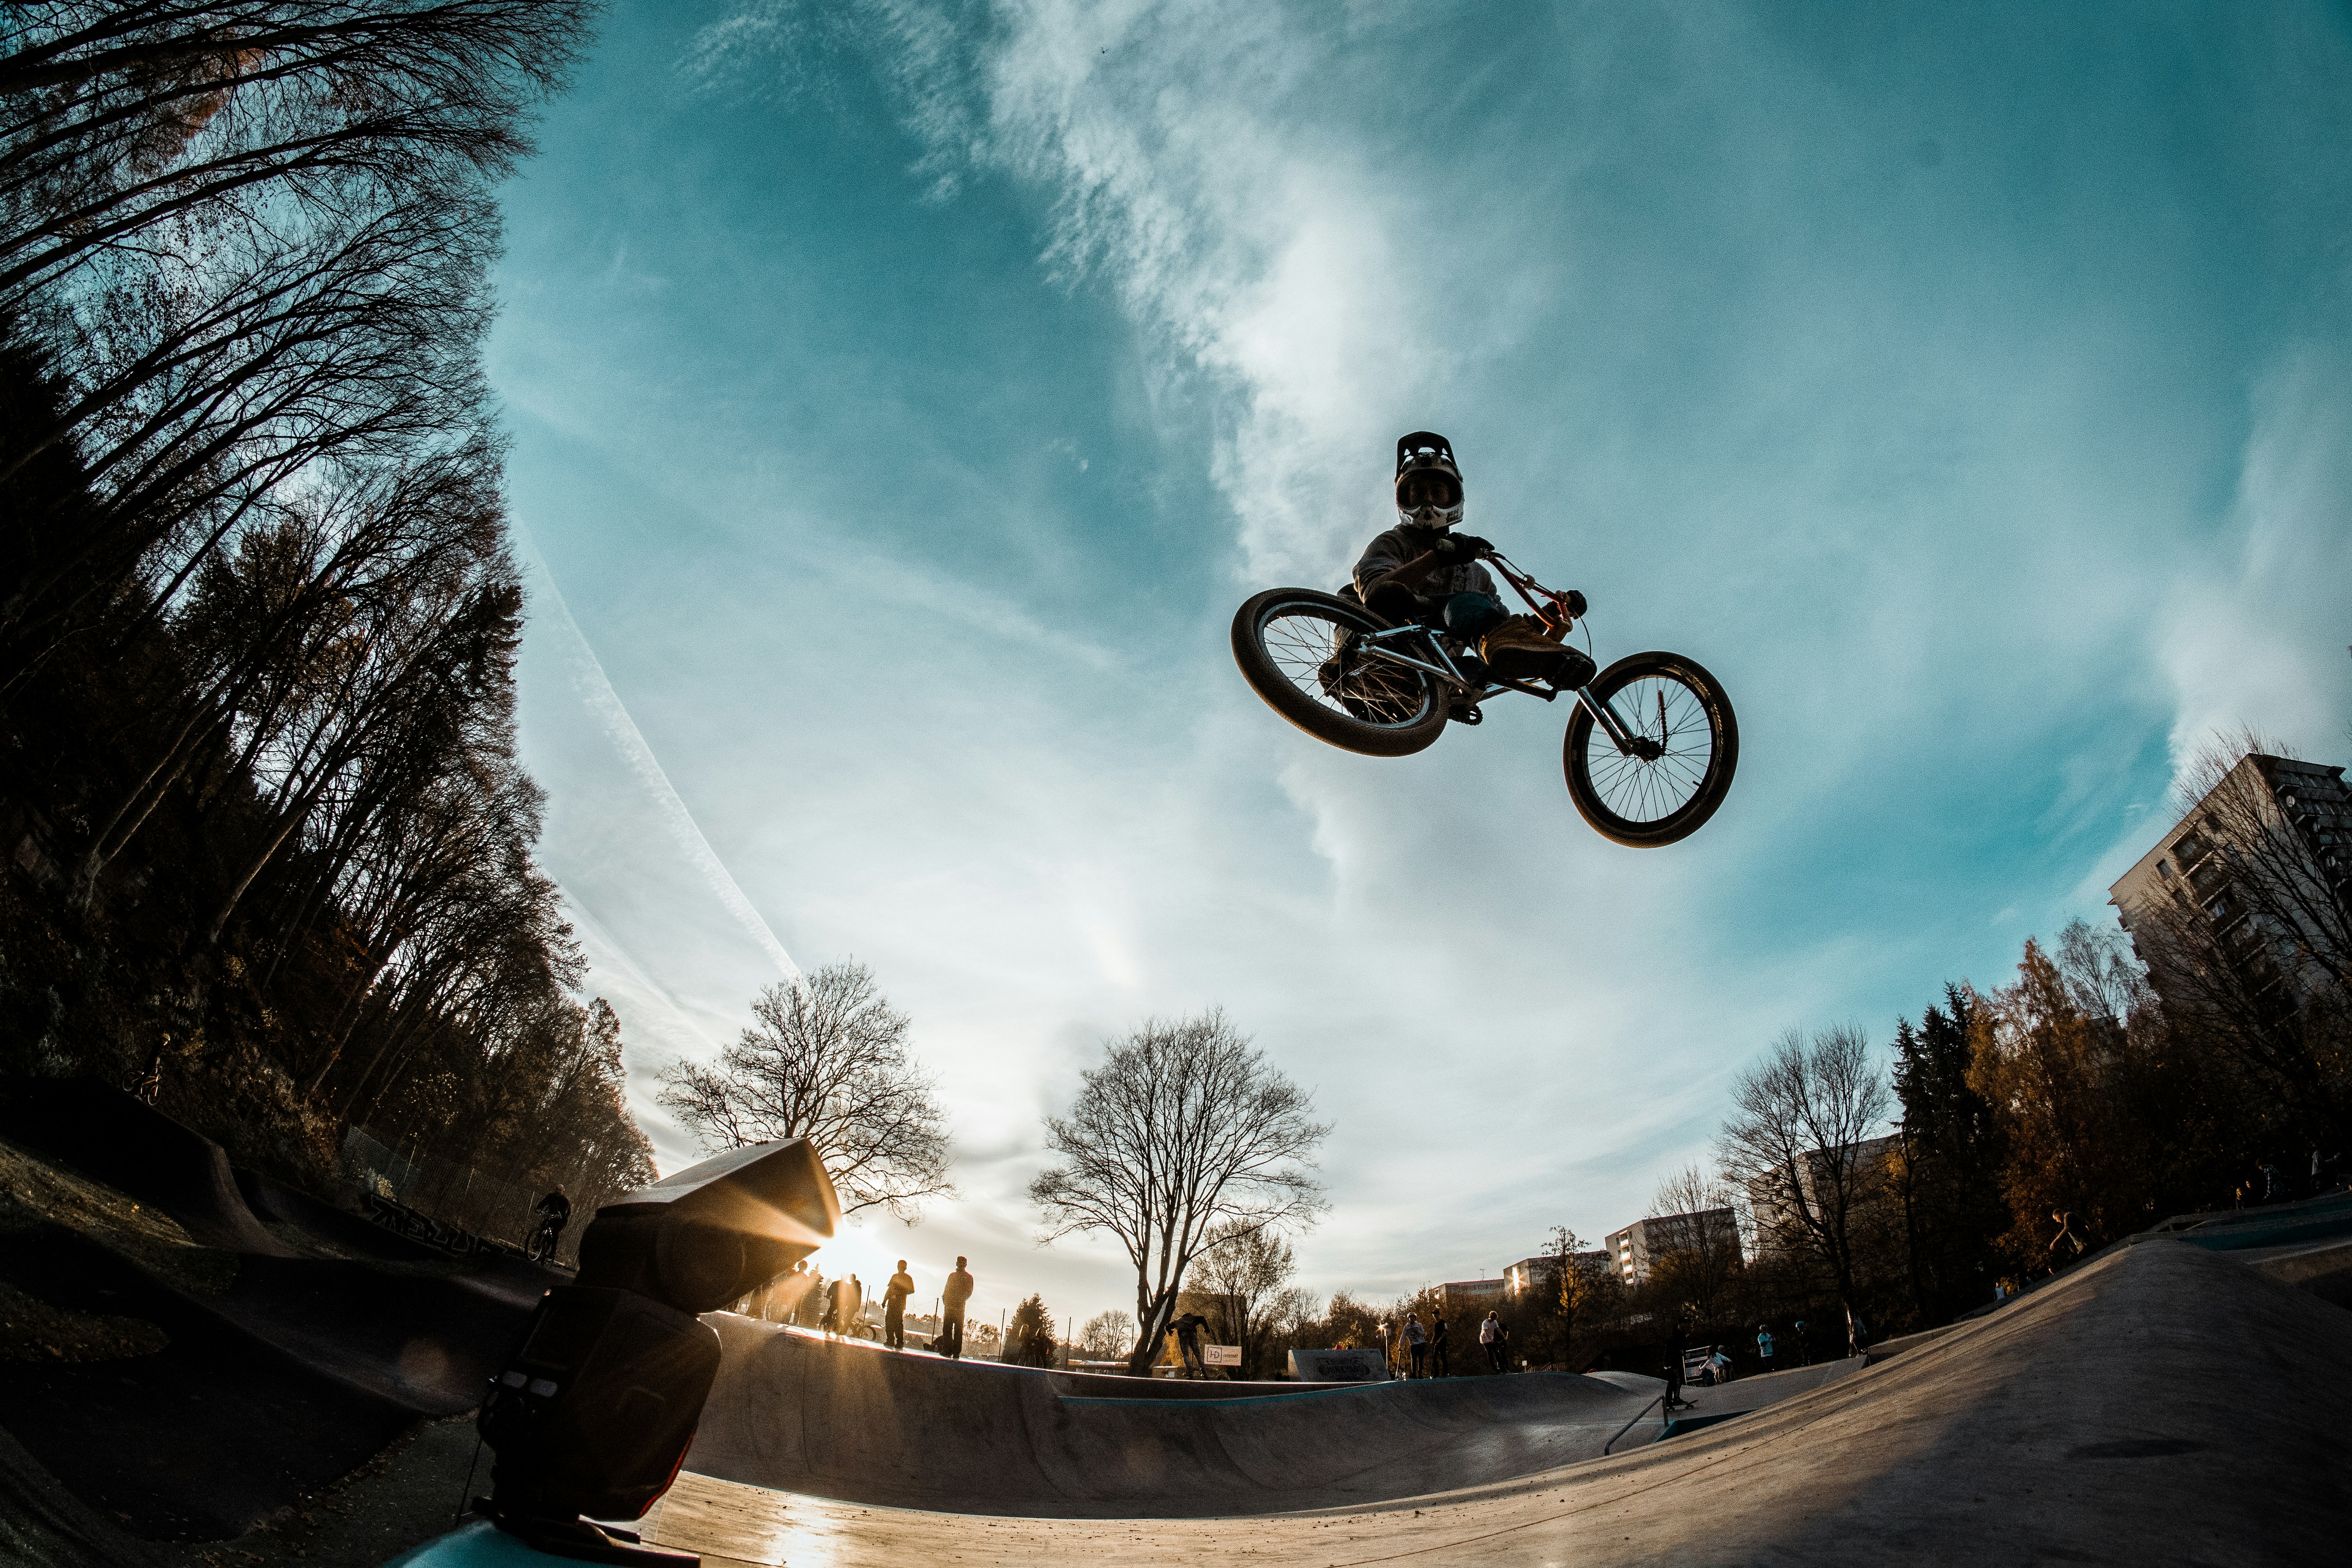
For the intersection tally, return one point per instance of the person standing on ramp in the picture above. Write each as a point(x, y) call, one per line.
point(1188, 1342)
point(957, 1292)
point(894, 1306)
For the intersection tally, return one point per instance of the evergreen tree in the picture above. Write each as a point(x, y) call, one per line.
point(1949, 1175)
point(1029, 1337)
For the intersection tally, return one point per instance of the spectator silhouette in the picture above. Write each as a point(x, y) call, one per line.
point(1437, 1346)
point(952, 1299)
point(1417, 1343)
point(810, 1312)
point(1764, 1345)
point(1490, 1335)
point(786, 1293)
point(894, 1306)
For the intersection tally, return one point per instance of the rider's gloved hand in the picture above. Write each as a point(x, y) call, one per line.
point(1392, 603)
point(1575, 605)
point(1464, 547)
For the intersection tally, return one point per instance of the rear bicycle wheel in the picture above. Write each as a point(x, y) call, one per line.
point(1297, 651)
point(1685, 746)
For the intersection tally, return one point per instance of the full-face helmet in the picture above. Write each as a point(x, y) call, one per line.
point(1428, 484)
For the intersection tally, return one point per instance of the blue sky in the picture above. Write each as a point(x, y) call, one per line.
point(904, 396)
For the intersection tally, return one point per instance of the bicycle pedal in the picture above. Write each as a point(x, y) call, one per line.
point(1466, 713)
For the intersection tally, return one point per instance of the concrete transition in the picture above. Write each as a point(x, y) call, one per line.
point(2163, 1403)
point(848, 1421)
point(297, 1340)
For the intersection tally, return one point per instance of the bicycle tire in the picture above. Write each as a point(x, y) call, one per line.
point(1599, 805)
point(1278, 677)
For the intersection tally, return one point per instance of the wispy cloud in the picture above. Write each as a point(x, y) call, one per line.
point(559, 632)
point(2236, 635)
point(1252, 245)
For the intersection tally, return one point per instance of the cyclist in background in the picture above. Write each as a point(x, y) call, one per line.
point(553, 1213)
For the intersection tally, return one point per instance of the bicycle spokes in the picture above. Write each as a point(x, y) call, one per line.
point(1654, 772)
point(1322, 659)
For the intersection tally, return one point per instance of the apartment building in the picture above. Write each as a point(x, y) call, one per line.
point(2264, 862)
point(1778, 1223)
point(1632, 1250)
point(1541, 1272)
point(1458, 1296)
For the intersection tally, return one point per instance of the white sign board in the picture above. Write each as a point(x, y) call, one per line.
point(1221, 1355)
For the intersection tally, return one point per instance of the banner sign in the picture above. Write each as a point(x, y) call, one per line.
point(1340, 1366)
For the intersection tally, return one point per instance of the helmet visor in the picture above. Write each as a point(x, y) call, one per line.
point(1429, 487)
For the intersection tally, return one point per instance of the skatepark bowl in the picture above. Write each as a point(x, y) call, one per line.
point(2140, 1408)
point(2128, 1411)
point(2175, 1399)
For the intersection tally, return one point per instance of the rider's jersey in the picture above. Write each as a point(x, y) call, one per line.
point(1394, 548)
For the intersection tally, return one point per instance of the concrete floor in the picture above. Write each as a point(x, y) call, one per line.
point(2164, 1404)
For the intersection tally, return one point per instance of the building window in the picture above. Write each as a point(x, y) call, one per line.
point(2164, 869)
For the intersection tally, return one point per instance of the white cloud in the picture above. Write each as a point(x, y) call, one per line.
point(2258, 634)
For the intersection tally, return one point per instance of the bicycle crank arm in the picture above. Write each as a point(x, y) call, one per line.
point(1500, 684)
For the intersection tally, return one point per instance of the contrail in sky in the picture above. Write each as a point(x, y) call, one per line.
point(596, 688)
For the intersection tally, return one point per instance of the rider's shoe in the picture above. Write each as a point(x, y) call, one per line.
point(1518, 650)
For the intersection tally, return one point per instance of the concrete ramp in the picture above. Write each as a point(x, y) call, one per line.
point(793, 1412)
point(2162, 1405)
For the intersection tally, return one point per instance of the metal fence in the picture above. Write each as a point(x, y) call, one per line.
point(455, 1196)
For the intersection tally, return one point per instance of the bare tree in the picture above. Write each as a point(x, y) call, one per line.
point(1795, 1140)
point(1106, 1334)
point(1184, 1127)
point(1700, 1260)
point(1241, 1271)
point(827, 1061)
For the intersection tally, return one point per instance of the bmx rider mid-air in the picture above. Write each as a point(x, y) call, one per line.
point(1422, 571)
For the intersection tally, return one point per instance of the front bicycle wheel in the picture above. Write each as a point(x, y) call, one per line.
point(1297, 648)
point(1682, 746)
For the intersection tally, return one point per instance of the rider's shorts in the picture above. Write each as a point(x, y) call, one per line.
point(1473, 614)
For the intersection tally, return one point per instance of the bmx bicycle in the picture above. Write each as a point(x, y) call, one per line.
point(544, 1235)
point(1651, 746)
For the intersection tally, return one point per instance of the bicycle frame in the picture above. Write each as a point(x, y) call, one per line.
point(1629, 741)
